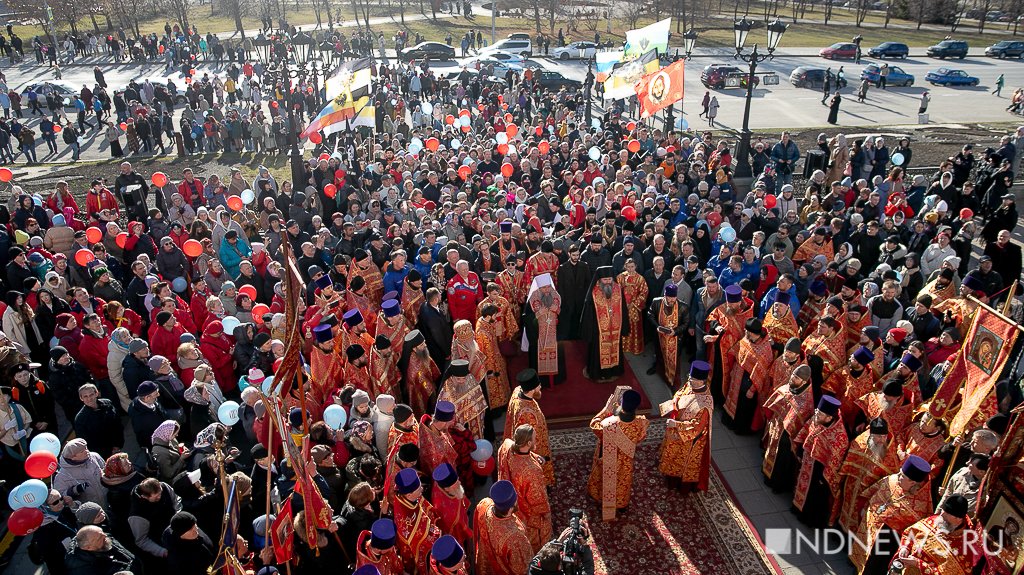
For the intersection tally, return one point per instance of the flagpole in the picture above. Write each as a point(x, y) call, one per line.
point(999, 314)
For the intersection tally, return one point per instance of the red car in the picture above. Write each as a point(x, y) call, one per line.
point(840, 51)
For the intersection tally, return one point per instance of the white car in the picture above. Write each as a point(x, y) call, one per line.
point(575, 51)
point(507, 57)
point(522, 47)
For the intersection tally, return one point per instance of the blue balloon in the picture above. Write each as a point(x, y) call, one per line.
point(45, 442)
point(268, 385)
point(230, 323)
point(32, 493)
point(179, 284)
point(682, 124)
point(227, 413)
point(484, 450)
point(243, 382)
point(728, 235)
point(335, 417)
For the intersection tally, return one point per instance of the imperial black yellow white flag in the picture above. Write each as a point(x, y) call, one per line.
point(660, 89)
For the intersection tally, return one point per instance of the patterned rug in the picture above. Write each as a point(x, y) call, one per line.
point(662, 532)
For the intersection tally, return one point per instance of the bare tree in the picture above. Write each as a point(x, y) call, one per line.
point(862, 11)
point(986, 5)
point(178, 9)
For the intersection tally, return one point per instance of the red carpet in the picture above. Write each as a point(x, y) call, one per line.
point(662, 532)
point(576, 400)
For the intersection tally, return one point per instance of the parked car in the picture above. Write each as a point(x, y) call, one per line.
point(950, 77)
point(714, 76)
point(948, 49)
point(897, 76)
point(521, 46)
point(889, 50)
point(1006, 49)
point(507, 57)
point(808, 77)
point(435, 50)
point(552, 80)
point(499, 67)
point(840, 50)
point(66, 92)
point(575, 51)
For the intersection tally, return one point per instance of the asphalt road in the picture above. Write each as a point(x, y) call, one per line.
point(779, 106)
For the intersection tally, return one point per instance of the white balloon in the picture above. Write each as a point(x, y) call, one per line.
point(427, 108)
point(416, 141)
point(501, 138)
point(594, 153)
point(248, 197)
point(512, 150)
point(456, 144)
point(465, 121)
point(230, 323)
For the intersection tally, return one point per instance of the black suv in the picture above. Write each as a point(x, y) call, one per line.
point(949, 49)
point(889, 50)
point(714, 76)
point(1006, 49)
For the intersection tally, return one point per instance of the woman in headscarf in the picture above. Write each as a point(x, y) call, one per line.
point(227, 297)
point(189, 358)
point(15, 431)
point(170, 455)
point(199, 406)
point(702, 240)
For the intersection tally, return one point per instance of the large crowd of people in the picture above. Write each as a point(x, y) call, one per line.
point(326, 359)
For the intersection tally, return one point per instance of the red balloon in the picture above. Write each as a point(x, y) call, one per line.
point(463, 112)
point(432, 144)
point(192, 248)
point(249, 291)
point(41, 464)
point(466, 129)
point(257, 312)
point(94, 235)
point(544, 147)
point(316, 138)
point(714, 218)
point(274, 104)
point(633, 146)
point(629, 212)
point(670, 149)
point(324, 157)
point(465, 172)
point(770, 201)
point(6, 175)
point(508, 118)
point(630, 126)
point(507, 170)
point(235, 203)
point(512, 130)
point(123, 237)
point(124, 125)
point(449, 119)
point(483, 468)
point(330, 190)
point(57, 128)
point(83, 257)
point(503, 149)
point(159, 179)
point(25, 520)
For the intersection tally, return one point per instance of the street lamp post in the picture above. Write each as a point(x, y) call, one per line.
point(302, 44)
point(741, 28)
point(689, 40)
point(588, 87)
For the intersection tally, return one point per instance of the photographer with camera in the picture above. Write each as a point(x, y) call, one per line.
point(569, 554)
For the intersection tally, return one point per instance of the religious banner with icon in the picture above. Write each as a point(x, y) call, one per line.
point(967, 396)
point(1000, 508)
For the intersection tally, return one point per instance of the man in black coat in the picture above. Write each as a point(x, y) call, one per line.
point(436, 328)
point(146, 414)
point(17, 270)
point(189, 549)
point(93, 552)
point(596, 255)
point(98, 423)
point(1006, 257)
point(134, 200)
point(135, 367)
point(573, 280)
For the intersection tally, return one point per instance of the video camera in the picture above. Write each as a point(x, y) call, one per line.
point(573, 546)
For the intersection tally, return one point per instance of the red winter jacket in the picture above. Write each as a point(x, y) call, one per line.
point(94, 351)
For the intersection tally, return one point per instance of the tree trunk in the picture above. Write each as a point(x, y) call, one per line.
point(355, 11)
point(536, 15)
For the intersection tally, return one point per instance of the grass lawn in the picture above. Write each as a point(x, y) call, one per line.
point(715, 31)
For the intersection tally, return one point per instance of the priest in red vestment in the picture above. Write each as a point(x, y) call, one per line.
point(724, 326)
point(449, 500)
point(748, 382)
point(376, 546)
point(419, 371)
point(603, 325)
point(525, 469)
point(415, 520)
point(821, 447)
point(502, 546)
point(326, 370)
point(448, 557)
